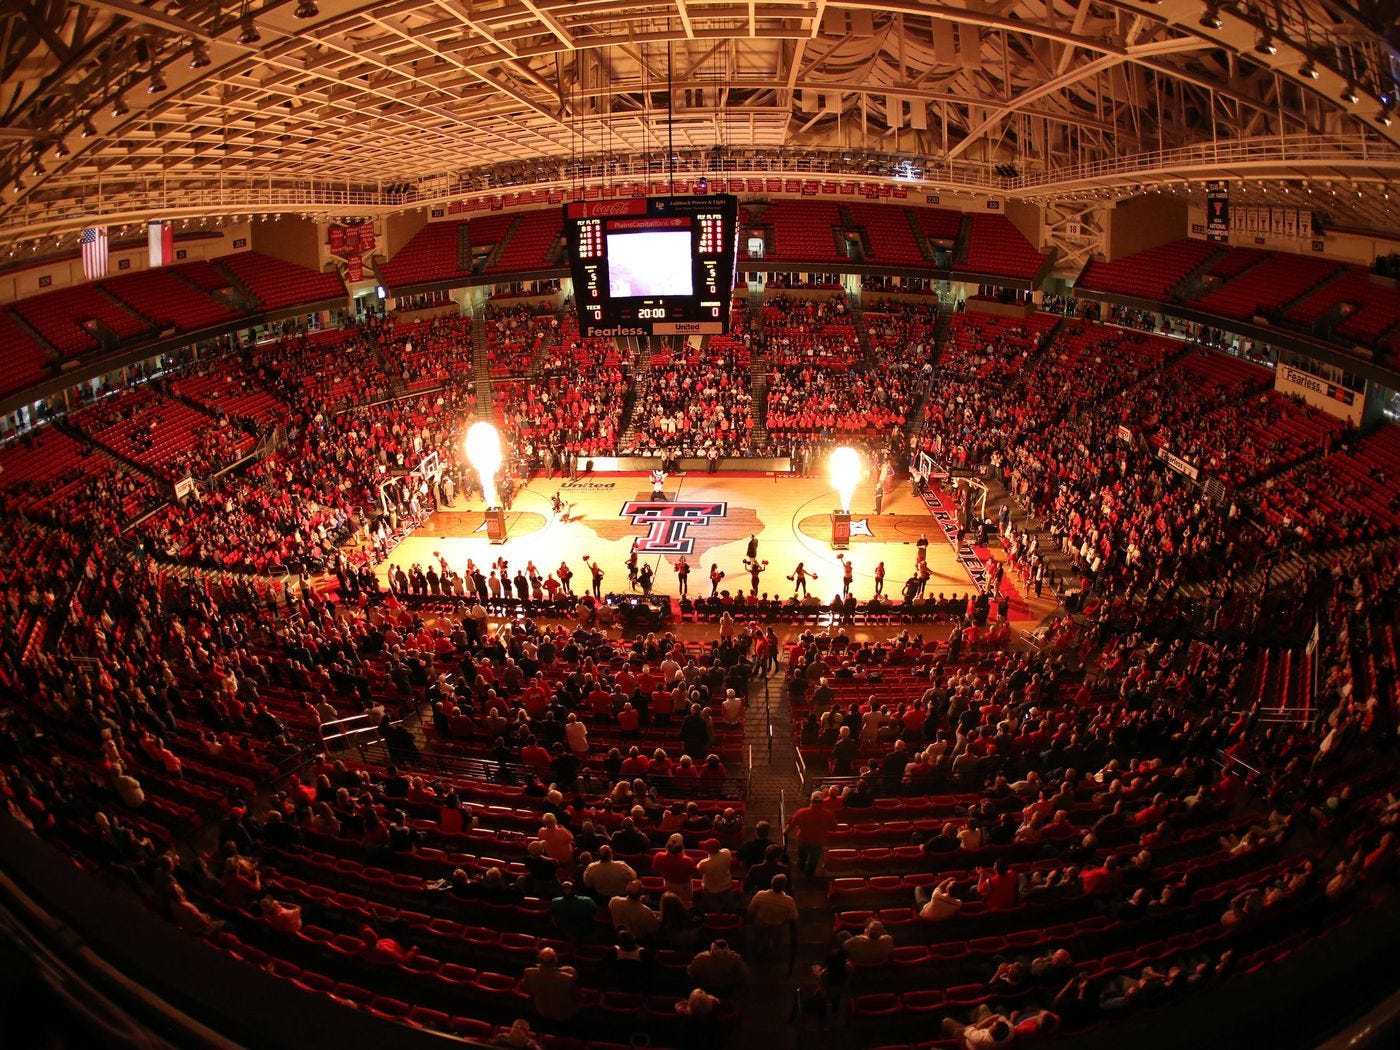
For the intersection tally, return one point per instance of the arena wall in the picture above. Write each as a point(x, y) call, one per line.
point(64, 270)
point(1145, 222)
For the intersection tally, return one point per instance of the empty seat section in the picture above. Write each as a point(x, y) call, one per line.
point(531, 244)
point(168, 301)
point(59, 316)
point(1150, 274)
point(279, 284)
point(23, 362)
point(996, 247)
point(430, 255)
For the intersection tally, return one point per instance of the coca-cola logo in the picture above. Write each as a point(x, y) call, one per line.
point(612, 208)
point(604, 208)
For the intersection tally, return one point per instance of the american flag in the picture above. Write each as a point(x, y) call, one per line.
point(94, 242)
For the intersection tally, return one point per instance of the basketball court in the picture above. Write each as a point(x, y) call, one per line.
point(708, 519)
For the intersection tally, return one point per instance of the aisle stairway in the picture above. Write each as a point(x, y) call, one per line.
point(481, 367)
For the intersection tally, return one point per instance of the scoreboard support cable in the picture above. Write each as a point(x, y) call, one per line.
point(653, 265)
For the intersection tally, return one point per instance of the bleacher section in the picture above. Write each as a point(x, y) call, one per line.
point(998, 249)
point(1371, 309)
point(166, 437)
point(802, 230)
point(230, 389)
point(1273, 283)
point(51, 476)
point(279, 285)
point(1292, 291)
point(23, 362)
point(430, 255)
point(1150, 274)
point(59, 316)
point(529, 247)
point(163, 297)
point(890, 235)
point(938, 224)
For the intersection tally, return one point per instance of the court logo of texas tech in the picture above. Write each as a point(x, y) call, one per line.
point(667, 524)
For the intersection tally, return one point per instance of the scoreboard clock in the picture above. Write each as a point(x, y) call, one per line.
point(653, 265)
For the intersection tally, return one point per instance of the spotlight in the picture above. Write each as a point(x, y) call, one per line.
point(157, 84)
point(306, 9)
point(1308, 70)
point(1349, 95)
point(39, 170)
point(1210, 17)
point(88, 131)
point(60, 150)
point(1384, 117)
point(1266, 45)
point(199, 55)
point(119, 107)
point(249, 33)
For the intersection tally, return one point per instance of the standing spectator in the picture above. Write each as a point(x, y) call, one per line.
point(676, 868)
point(716, 876)
point(771, 911)
point(814, 824)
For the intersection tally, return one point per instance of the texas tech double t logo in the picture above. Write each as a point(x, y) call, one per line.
point(666, 524)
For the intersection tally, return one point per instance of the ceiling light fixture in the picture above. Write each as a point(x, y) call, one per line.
point(119, 107)
point(60, 150)
point(1210, 17)
point(199, 55)
point(306, 9)
point(1349, 95)
point(249, 33)
point(87, 131)
point(1266, 45)
point(157, 84)
point(1308, 69)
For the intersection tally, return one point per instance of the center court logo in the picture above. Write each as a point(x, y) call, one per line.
point(667, 524)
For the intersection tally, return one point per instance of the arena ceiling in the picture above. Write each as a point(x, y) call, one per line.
point(118, 110)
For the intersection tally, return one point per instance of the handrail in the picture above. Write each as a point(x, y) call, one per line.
point(921, 174)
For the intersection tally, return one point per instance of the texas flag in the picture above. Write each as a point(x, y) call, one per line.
point(161, 239)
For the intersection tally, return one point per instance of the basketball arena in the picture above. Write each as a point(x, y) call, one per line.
point(709, 523)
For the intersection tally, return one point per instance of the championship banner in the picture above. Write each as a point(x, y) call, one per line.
point(336, 236)
point(1217, 210)
point(354, 269)
point(351, 235)
point(366, 236)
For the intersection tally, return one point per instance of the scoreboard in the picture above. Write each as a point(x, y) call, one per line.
point(653, 265)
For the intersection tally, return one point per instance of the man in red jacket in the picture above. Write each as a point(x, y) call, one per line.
point(814, 824)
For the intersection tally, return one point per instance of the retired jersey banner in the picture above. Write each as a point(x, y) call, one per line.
point(354, 269)
point(336, 240)
point(1217, 210)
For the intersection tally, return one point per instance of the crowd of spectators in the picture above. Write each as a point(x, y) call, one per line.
point(702, 409)
point(515, 335)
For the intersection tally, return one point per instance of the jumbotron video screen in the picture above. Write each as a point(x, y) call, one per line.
point(653, 265)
